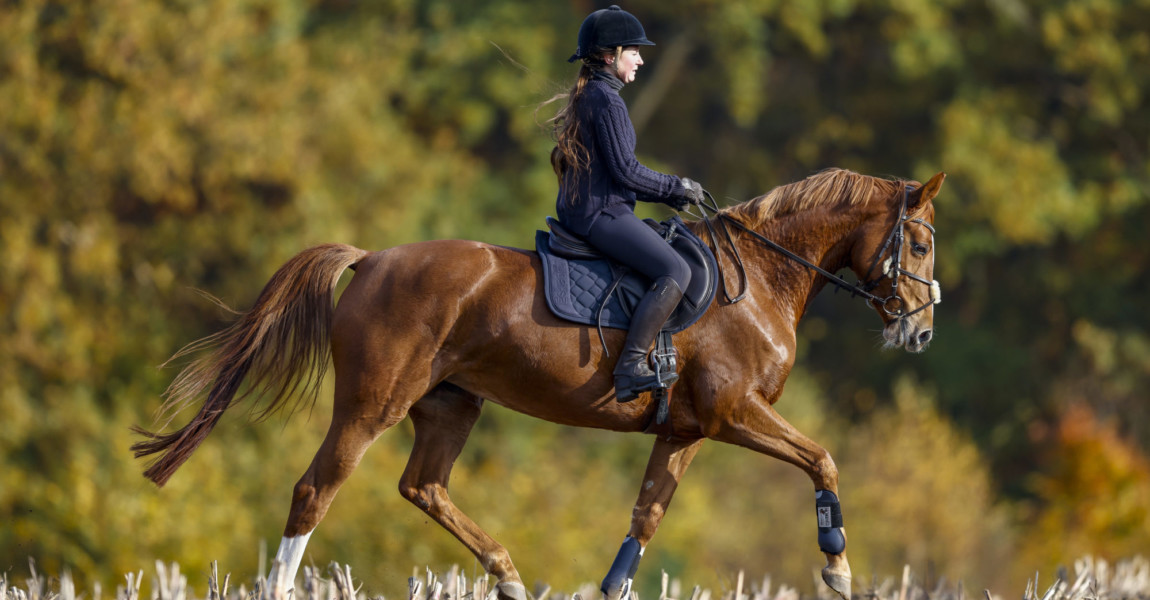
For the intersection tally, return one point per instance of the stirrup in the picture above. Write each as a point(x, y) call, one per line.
point(662, 371)
point(643, 383)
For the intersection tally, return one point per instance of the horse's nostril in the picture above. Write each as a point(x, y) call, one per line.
point(924, 337)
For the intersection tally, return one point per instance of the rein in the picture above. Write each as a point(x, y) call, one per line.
point(892, 267)
point(714, 207)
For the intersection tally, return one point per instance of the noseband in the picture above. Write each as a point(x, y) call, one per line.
point(892, 305)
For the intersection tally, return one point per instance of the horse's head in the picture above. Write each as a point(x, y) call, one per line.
point(895, 260)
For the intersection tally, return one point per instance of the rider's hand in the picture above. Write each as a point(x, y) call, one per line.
point(694, 193)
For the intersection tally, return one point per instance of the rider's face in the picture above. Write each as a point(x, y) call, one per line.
point(627, 64)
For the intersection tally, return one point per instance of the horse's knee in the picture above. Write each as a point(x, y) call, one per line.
point(824, 473)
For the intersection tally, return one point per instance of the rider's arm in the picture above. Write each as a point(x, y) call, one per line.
point(615, 139)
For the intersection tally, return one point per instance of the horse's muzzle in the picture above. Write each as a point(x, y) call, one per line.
point(904, 333)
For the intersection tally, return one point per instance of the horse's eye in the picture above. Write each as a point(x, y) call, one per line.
point(919, 249)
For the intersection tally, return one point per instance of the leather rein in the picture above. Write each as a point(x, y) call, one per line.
point(892, 305)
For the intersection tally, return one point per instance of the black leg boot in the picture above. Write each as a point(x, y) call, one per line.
point(632, 374)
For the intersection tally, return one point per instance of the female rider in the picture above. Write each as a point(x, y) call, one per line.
point(600, 180)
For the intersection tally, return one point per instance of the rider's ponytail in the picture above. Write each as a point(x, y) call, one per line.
point(569, 151)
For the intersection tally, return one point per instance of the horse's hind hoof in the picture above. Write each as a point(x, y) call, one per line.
point(839, 582)
point(510, 590)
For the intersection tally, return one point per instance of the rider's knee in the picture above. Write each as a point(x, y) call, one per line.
point(682, 273)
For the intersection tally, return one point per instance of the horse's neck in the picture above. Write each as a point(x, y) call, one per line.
point(818, 235)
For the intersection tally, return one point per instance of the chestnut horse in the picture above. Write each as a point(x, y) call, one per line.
point(431, 330)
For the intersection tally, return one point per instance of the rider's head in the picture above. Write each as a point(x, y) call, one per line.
point(610, 38)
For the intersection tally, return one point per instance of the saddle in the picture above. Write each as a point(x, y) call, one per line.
point(583, 286)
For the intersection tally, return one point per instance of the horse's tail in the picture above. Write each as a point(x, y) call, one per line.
point(282, 342)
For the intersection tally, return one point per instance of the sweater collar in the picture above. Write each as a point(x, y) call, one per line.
point(608, 78)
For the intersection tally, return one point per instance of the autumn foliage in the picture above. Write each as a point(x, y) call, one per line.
point(149, 149)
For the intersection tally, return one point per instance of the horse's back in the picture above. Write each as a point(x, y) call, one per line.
point(430, 282)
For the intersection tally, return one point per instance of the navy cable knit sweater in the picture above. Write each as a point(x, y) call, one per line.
point(615, 179)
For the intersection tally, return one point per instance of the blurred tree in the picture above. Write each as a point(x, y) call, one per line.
point(1092, 493)
point(146, 147)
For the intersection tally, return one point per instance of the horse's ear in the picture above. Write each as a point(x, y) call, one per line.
point(918, 198)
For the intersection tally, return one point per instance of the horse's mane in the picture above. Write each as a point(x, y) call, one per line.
point(826, 188)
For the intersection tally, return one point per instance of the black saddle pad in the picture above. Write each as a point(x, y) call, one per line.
point(577, 288)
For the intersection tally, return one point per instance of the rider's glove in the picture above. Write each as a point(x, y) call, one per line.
point(694, 191)
point(678, 202)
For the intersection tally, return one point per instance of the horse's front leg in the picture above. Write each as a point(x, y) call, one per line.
point(756, 425)
point(669, 459)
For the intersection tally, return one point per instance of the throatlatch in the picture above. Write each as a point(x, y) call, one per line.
point(831, 538)
point(617, 584)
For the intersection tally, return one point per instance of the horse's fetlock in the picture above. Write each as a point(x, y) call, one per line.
point(499, 564)
point(832, 540)
point(617, 584)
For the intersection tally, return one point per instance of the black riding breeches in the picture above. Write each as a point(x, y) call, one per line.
point(628, 240)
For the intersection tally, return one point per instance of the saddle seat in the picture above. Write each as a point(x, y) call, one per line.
point(563, 242)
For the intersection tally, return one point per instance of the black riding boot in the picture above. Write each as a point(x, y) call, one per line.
point(632, 375)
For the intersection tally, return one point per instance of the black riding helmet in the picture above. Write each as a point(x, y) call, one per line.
point(608, 28)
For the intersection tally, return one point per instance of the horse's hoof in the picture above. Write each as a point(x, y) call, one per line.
point(510, 590)
point(839, 582)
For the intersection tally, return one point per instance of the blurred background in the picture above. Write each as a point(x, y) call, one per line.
point(151, 148)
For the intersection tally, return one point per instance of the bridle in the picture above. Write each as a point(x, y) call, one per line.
point(892, 266)
point(893, 305)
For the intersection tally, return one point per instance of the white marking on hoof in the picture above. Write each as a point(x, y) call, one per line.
point(839, 582)
point(288, 557)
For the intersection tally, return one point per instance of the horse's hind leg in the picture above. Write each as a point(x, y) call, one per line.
point(669, 460)
point(443, 419)
point(358, 420)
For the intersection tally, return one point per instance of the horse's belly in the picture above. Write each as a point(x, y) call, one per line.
point(557, 391)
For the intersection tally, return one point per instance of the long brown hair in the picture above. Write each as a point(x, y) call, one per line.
point(569, 151)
